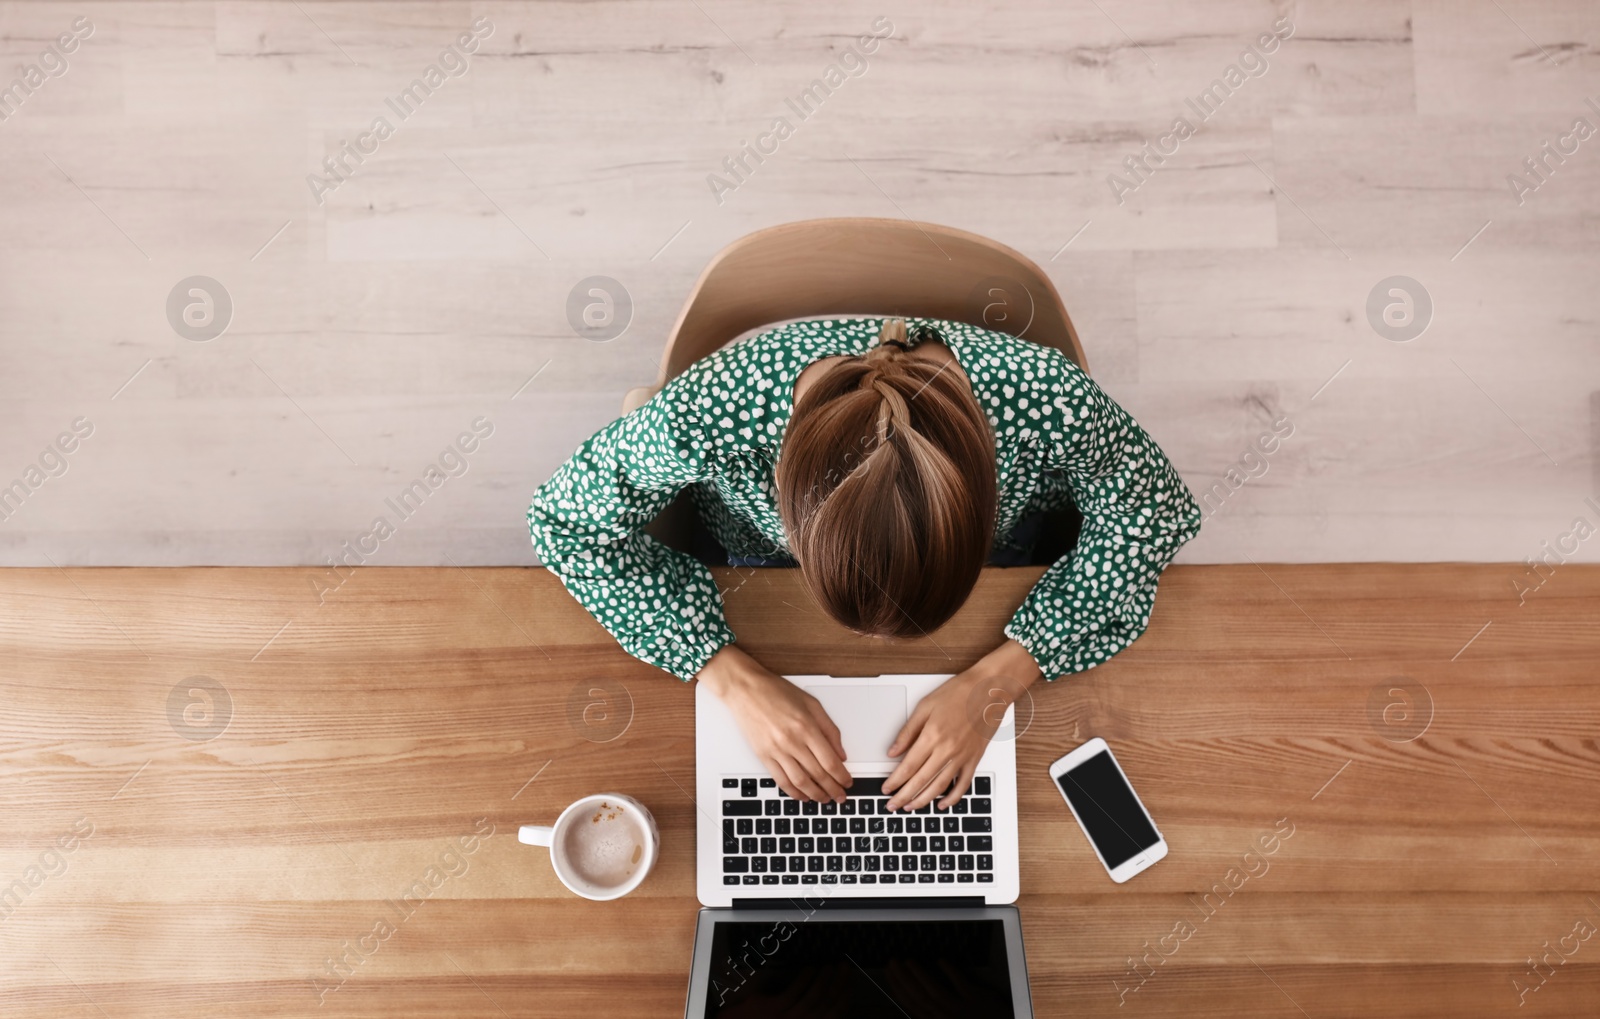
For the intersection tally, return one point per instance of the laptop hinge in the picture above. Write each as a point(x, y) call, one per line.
point(811, 902)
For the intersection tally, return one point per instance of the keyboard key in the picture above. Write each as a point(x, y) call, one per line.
point(791, 807)
point(830, 808)
point(908, 863)
point(891, 863)
point(863, 844)
point(870, 862)
point(735, 865)
point(972, 824)
point(929, 861)
point(808, 879)
point(869, 879)
point(858, 825)
point(980, 785)
point(848, 879)
point(964, 861)
point(954, 823)
point(936, 844)
point(875, 825)
point(840, 825)
point(807, 846)
point(956, 843)
point(985, 879)
point(880, 843)
point(852, 863)
point(764, 826)
point(814, 864)
point(883, 806)
point(914, 825)
point(946, 862)
point(830, 879)
point(730, 879)
point(835, 864)
point(864, 807)
point(938, 809)
point(781, 826)
point(825, 844)
point(809, 807)
point(791, 879)
point(730, 783)
point(919, 844)
point(981, 843)
point(896, 825)
point(741, 808)
point(747, 787)
point(730, 842)
point(901, 844)
point(986, 862)
point(926, 808)
point(847, 807)
point(786, 846)
point(778, 864)
point(769, 845)
point(797, 864)
point(769, 879)
point(964, 878)
point(748, 845)
point(802, 826)
point(980, 806)
point(906, 879)
point(923, 879)
point(867, 785)
point(746, 826)
point(768, 783)
point(752, 879)
point(960, 807)
point(772, 807)
point(758, 864)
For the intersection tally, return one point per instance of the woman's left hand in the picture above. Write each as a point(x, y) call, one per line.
point(951, 727)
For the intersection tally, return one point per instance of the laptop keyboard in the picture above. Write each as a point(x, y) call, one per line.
point(770, 838)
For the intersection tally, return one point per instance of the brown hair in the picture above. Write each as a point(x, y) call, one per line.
point(886, 487)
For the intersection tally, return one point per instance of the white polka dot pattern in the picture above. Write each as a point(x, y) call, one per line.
point(717, 429)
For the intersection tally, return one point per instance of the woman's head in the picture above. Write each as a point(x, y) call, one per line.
point(886, 486)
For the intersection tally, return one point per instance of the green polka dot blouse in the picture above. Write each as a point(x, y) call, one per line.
point(716, 430)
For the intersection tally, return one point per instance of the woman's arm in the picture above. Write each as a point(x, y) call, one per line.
point(587, 524)
point(1137, 513)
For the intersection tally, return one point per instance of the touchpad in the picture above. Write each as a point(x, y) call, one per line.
point(868, 717)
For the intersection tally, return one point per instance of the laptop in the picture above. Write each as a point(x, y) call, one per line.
point(844, 908)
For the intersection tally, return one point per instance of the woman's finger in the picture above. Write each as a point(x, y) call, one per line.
point(914, 760)
point(962, 784)
point(824, 769)
point(908, 732)
point(938, 779)
point(800, 780)
point(829, 730)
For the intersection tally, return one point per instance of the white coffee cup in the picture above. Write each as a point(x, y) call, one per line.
point(602, 847)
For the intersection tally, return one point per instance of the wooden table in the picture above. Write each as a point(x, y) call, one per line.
point(217, 870)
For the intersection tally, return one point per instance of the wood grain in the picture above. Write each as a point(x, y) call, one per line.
point(368, 733)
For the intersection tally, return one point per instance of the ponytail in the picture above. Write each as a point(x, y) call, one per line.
point(887, 488)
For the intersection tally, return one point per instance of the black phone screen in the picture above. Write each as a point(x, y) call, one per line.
point(1108, 809)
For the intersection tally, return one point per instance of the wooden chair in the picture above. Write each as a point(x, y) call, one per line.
point(854, 266)
point(862, 266)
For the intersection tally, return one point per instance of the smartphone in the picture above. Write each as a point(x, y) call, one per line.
point(1100, 797)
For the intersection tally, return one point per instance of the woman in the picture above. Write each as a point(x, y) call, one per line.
point(889, 464)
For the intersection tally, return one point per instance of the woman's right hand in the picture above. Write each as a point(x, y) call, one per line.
point(786, 727)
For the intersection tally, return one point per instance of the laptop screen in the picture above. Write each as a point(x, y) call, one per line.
point(869, 968)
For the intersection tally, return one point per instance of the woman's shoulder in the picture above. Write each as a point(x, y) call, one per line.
point(739, 395)
point(1029, 391)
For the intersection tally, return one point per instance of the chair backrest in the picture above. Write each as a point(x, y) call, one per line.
point(863, 266)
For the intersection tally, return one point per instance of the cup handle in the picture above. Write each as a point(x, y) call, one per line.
point(536, 834)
